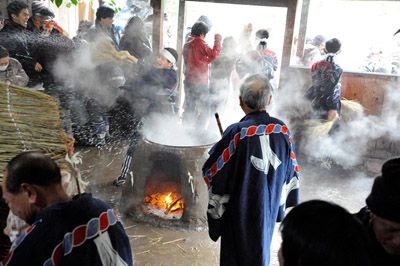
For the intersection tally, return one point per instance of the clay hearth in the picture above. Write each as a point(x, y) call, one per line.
point(167, 188)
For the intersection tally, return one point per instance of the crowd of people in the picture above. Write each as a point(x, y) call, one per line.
point(252, 173)
point(96, 69)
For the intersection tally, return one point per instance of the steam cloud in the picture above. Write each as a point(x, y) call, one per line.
point(352, 143)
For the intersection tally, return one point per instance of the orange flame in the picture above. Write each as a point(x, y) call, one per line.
point(170, 203)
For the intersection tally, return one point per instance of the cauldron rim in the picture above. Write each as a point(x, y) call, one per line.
point(181, 147)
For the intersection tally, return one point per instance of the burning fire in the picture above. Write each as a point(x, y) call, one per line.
point(166, 203)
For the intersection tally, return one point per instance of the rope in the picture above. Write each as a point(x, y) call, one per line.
point(12, 116)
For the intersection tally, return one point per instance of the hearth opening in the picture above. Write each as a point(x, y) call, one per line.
point(163, 194)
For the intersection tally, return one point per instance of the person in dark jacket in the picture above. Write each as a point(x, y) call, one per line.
point(157, 85)
point(320, 233)
point(197, 56)
point(19, 43)
point(324, 93)
point(77, 231)
point(104, 27)
point(11, 70)
point(381, 216)
point(135, 39)
point(47, 51)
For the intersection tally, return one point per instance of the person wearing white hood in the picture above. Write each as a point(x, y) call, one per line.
point(11, 70)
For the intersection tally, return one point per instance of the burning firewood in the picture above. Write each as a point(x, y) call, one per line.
point(164, 204)
point(172, 205)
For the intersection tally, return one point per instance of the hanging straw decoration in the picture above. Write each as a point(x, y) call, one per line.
point(29, 121)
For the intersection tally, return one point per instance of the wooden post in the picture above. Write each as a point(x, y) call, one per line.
point(303, 28)
point(179, 47)
point(158, 24)
point(287, 43)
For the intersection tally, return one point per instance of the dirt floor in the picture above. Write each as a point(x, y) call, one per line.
point(157, 246)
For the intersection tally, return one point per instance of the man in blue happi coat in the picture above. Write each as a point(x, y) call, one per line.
point(324, 93)
point(79, 231)
point(252, 177)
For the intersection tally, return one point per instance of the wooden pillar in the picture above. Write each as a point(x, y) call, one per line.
point(158, 24)
point(179, 47)
point(303, 28)
point(287, 43)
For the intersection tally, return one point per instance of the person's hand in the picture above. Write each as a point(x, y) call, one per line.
point(38, 67)
point(128, 58)
point(217, 37)
point(8, 82)
point(124, 52)
point(332, 114)
point(131, 59)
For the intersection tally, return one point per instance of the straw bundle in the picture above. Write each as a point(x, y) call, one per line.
point(102, 51)
point(350, 110)
point(319, 128)
point(29, 121)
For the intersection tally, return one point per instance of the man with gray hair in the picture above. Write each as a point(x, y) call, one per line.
point(252, 177)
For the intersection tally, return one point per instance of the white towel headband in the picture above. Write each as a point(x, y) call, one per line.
point(168, 55)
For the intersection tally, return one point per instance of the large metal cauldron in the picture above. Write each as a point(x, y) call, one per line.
point(182, 163)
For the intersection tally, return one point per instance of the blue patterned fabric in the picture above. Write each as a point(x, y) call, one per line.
point(84, 231)
point(253, 176)
point(325, 90)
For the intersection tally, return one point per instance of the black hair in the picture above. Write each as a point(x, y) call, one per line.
point(134, 25)
point(333, 46)
point(205, 20)
point(15, 8)
point(199, 28)
point(173, 52)
point(32, 168)
point(319, 233)
point(262, 34)
point(3, 52)
point(104, 12)
point(46, 12)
